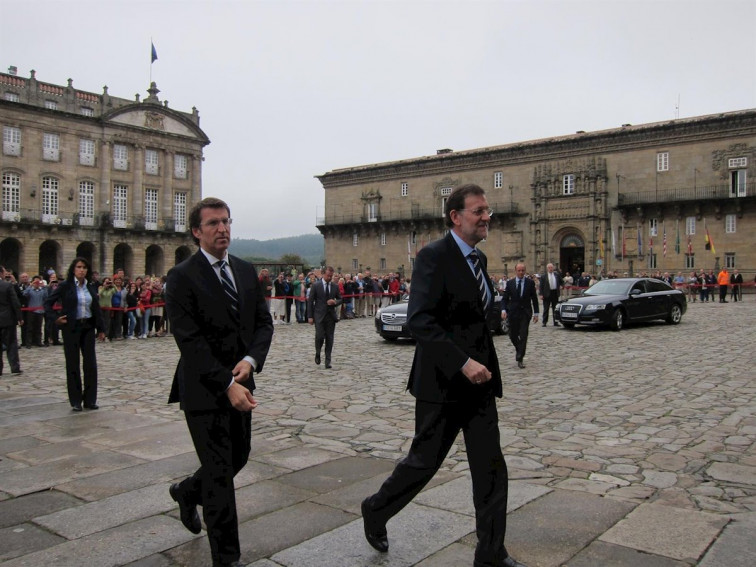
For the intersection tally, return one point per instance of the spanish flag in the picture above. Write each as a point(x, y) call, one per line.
point(709, 242)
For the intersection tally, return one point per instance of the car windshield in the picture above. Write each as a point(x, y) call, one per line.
point(608, 287)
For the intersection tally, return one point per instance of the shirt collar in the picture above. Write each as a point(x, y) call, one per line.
point(212, 259)
point(464, 247)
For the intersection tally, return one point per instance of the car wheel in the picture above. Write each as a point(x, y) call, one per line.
point(675, 315)
point(617, 320)
point(568, 325)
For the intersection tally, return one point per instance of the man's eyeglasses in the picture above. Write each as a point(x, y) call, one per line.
point(215, 223)
point(479, 212)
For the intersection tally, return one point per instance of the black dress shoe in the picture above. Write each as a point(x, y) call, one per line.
point(376, 535)
point(509, 562)
point(19, 371)
point(91, 406)
point(317, 359)
point(556, 324)
point(328, 365)
point(521, 364)
point(188, 511)
point(77, 407)
point(232, 564)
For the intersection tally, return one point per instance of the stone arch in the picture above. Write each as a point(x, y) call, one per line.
point(86, 250)
point(123, 257)
point(50, 256)
point(570, 242)
point(11, 251)
point(154, 261)
point(181, 254)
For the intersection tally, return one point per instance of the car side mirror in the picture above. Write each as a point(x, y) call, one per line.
point(635, 292)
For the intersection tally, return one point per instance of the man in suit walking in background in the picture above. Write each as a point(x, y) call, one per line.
point(321, 311)
point(10, 316)
point(551, 283)
point(454, 378)
point(519, 304)
point(223, 330)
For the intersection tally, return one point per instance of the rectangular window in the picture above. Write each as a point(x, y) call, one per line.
point(179, 166)
point(86, 203)
point(12, 97)
point(355, 239)
point(51, 105)
point(738, 183)
point(50, 199)
point(568, 184)
point(11, 196)
point(11, 141)
point(690, 261)
point(151, 162)
point(86, 152)
point(446, 191)
point(51, 147)
point(150, 209)
point(662, 161)
point(412, 264)
point(405, 189)
point(120, 157)
point(179, 212)
point(652, 261)
point(355, 265)
point(730, 260)
point(120, 205)
point(383, 239)
point(413, 237)
point(737, 162)
point(86, 111)
point(382, 264)
point(498, 180)
point(730, 223)
point(372, 212)
point(690, 226)
point(653, 227)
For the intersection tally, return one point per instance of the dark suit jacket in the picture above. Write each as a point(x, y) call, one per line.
point(514, 304)
point(446, 317)
point(545, 287)
point(65, 294)
point(10, 307)
point(317, 308)
point(210, 337)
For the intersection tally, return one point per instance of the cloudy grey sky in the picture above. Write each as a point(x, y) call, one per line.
point(290, 89)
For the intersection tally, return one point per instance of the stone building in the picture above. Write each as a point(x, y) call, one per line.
point(590, 201)
point(97, 176)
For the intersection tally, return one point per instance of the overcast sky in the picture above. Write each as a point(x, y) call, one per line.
point(287, 90)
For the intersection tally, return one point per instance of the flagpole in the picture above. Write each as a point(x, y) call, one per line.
point(151, 61)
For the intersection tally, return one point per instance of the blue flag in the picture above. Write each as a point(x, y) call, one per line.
point(154, 53)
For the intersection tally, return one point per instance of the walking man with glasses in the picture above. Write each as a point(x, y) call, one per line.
point(454, 378)
point(223, 330)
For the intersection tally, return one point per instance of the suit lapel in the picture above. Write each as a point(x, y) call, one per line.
point(207, 272)
point(462, 266)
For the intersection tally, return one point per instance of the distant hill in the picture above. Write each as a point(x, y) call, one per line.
point(309, 246)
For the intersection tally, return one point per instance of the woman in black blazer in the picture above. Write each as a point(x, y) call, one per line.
point(79, 318)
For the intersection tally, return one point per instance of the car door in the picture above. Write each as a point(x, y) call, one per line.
point(638, 303)
point(658, 292)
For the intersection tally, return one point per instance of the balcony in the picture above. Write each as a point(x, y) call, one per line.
point(393, 212)
point(98, 220)
point(687, 194)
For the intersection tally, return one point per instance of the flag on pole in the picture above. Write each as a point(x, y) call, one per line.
point(624, 246)
point(153, 54)
point(690, 246)
point(601, 248)
point(709, 242)
point(650, 245)
point(614, 244)
point(664, 241)
point(677, 239)
point(640, 242)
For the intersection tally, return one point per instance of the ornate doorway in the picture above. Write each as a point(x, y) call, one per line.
point(572, 254)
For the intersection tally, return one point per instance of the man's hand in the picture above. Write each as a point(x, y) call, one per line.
point(475, 372)
point(241, 398)
point(504, 315)
point(101, 337)
point(311, 321)
point(535, 318)
point(62, 320)
point(242, 371)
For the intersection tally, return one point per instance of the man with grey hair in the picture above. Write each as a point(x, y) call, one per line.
point(551, 283)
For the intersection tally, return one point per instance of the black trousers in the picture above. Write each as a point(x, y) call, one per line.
point(519, 327)
point(722, 293)
point(436, 428)
point(33, 328)
point(79, 348)
point(222, 440)
point(10, 346)
point(550, 300)
point(324, 332)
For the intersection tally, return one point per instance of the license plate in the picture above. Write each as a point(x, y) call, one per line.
point(394, 328)
point(568, 315)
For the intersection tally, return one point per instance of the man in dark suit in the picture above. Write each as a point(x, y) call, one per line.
point(223, 330)
point(321, 311)
point(10, 316)
point(551, 283)
point(518, 304)
point(455, 379)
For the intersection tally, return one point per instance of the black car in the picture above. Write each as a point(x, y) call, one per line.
point(391, 321)
point(615, 302)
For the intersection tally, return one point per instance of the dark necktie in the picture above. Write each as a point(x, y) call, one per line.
point(228, 286)
point(519, 288)
point(482, 287)
point(328, 290)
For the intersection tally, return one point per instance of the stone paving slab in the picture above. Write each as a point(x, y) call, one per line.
point(452, 556)
point(111, 548)
point(736, 547)
point(414, 533)
point(23, 539)
point(667, 531)
point(24, 508)
point(298, 458)
point(335, 474)
point(731, 472)
point(604, 554)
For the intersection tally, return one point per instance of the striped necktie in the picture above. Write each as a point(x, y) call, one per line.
point(228, 286)
point(482, 287)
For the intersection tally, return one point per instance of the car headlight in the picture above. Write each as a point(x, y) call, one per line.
point(594, 307)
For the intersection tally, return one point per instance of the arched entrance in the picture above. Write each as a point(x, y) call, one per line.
point(572, 254)
point(86, 250)
point(123, 257)
point(153, 261)
point(181, 254)
point(10, 255)
point(49, 257)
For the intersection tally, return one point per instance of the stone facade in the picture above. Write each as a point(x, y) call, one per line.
point(570, 200)
point(92, 175)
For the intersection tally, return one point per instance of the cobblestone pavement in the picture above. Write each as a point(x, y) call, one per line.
point(657, 420)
